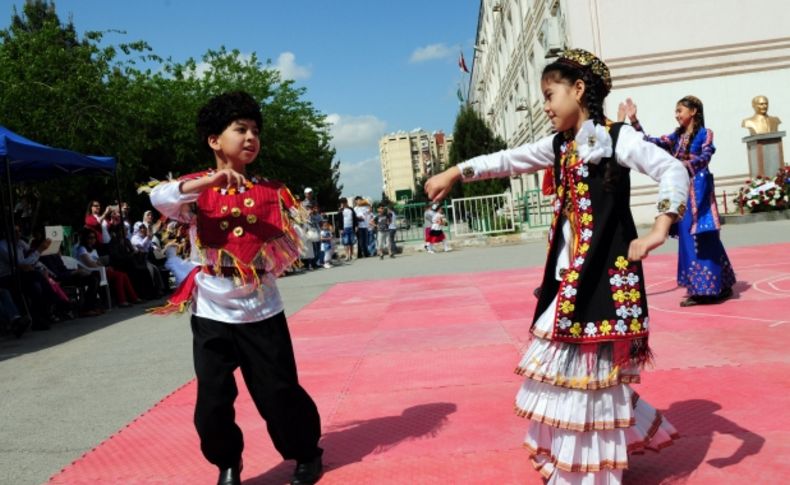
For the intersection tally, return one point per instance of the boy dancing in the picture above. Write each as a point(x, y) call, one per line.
point(242, 238)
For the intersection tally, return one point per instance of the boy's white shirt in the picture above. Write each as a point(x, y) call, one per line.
point(215, 297)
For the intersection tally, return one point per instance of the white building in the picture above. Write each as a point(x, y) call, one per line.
point(407, 158)
point(723, 51)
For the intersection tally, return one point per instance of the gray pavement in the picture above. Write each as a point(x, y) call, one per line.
point(66, 390)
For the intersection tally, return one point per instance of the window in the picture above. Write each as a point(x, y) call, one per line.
point(532, 77)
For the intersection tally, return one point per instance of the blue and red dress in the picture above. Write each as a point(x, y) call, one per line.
point(703, 266)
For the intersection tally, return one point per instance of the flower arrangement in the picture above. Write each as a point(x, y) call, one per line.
point(762, 194)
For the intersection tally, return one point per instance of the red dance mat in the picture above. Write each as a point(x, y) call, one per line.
point(414, 381)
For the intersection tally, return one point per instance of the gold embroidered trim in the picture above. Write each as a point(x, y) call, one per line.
point(577, 467)
point(555, 423)
point(578, 383)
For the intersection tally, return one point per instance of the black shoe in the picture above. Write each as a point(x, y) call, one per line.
point(19, 326)
point(689, 301)
point(308, 472)
point(724, 295)
point(230, 476)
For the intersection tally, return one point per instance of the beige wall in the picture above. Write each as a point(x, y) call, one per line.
point(723, 51)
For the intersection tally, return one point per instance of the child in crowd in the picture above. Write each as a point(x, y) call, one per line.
point(430, 211)
point(436, 234)
point(382, 222)
point(327, 244)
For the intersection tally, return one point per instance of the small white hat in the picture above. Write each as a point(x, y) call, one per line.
point(308, 190)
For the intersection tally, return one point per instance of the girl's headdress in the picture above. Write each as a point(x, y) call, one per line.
point(587, 61)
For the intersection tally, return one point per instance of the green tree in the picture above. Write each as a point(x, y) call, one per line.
point(125, 101)
point(295, 139)
point(471, 137)
point(64, 91)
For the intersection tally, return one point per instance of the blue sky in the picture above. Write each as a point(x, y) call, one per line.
point(372, 66)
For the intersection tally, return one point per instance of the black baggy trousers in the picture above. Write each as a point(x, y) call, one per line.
point(264, 352)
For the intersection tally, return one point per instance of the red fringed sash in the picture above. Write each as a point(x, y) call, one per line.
point(247, 232)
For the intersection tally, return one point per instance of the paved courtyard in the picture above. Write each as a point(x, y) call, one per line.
point(428, 349)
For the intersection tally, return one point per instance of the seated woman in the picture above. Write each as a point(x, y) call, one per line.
point(119, 281)
point(59, 275)
point(34, 285)
point(99, 221)
point(124, 257)
point(143, 245)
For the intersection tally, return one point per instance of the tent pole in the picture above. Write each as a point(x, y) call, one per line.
point(10, 226)
point(120, 200)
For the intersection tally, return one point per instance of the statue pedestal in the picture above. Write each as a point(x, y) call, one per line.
point(765, 152)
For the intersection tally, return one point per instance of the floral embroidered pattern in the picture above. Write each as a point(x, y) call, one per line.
point(573, 199)
point(627, 296)
point(681, 210)
point(706, 279)
point(664, 205)
point(573, 196)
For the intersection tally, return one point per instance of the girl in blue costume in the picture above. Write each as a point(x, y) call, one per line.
point(703, 266)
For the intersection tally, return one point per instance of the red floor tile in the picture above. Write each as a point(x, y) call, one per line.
point(413, 378)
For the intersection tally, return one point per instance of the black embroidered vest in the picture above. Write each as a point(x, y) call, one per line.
point(601, 296)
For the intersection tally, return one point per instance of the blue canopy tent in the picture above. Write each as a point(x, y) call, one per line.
point(24, 160)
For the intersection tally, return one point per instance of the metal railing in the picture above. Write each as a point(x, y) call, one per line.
point(471, 216)
point(537, 210)
point(487, 214)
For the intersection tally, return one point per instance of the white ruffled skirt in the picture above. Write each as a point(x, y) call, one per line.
point(584, 417)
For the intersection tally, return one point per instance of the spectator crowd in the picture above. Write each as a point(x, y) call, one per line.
point(113, 260)
point(109, 261)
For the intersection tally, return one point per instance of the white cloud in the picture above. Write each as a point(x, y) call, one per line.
point(349, 132)
point(361, 178)
point(289, 69)
point(432, 52)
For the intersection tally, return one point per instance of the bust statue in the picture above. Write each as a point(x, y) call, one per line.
point(761, 122)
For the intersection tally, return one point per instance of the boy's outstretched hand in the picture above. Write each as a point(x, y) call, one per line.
point(438, 187)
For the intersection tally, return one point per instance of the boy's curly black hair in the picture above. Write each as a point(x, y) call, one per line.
point(222, 110)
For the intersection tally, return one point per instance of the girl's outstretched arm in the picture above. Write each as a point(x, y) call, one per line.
point(527, 158)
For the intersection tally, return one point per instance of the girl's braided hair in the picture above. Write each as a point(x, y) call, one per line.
point(692, 102)
point(596, 87)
